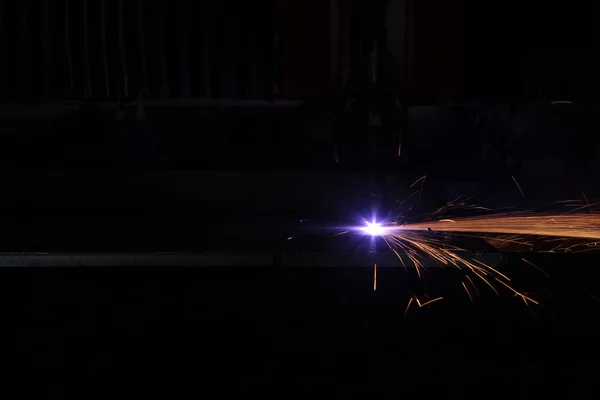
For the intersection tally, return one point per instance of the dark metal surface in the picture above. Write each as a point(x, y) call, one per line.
point(254, 260)
point(312, 329)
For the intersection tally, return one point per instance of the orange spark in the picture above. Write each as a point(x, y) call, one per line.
point(430, 301)
point(525, 298)
point(518, 186)
point(587, 202)
point(473, 284)
point(568, 225)
point(375, 277)
point(339, 234)
point(467, 290)
point(487, 283)
point(414, 240)
point(536, 267)
point(408, 306)
point(419, 180)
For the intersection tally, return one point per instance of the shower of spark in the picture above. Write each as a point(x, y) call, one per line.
point(576, 226)
point(415, 247)
point(419, 243)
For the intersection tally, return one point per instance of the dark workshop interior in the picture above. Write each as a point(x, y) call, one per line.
point(301, 197)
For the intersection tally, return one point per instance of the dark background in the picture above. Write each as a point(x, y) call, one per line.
point(268, 330)
point(442, 49)
point(234, 152)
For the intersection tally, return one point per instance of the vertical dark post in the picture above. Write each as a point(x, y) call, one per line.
point(3, 54)
point(142, 48)
point(24, 51)
point(334, 40)
point(255, 77)
point(270, 56)
point(228, 55)
point(104, 55)
point(206, 59)
point(69, 87)
point(186, 91)
point(560, 68)
point(527, 73)
point(87, 83)
point(557, 73)
point(336, 47)
point(543, 69)
point(277, 49)
point(337, 77)
point(551, 73)
point(409, 44)
point(164, 72)
point(46, 50)
point(124, 86)
point(245, 31)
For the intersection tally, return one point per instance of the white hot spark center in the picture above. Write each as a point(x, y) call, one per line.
point(374, 229)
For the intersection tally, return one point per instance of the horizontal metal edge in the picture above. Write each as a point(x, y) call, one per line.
point(218, 260)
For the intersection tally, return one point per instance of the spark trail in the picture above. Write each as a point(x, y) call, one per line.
point(419, 243)
point(417, 247)
point(576, 226)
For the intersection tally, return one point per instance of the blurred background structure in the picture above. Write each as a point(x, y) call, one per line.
point(450, 86)
point(74, 50)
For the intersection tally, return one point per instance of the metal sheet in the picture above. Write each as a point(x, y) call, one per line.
point(135, 260)
point(286, 260)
